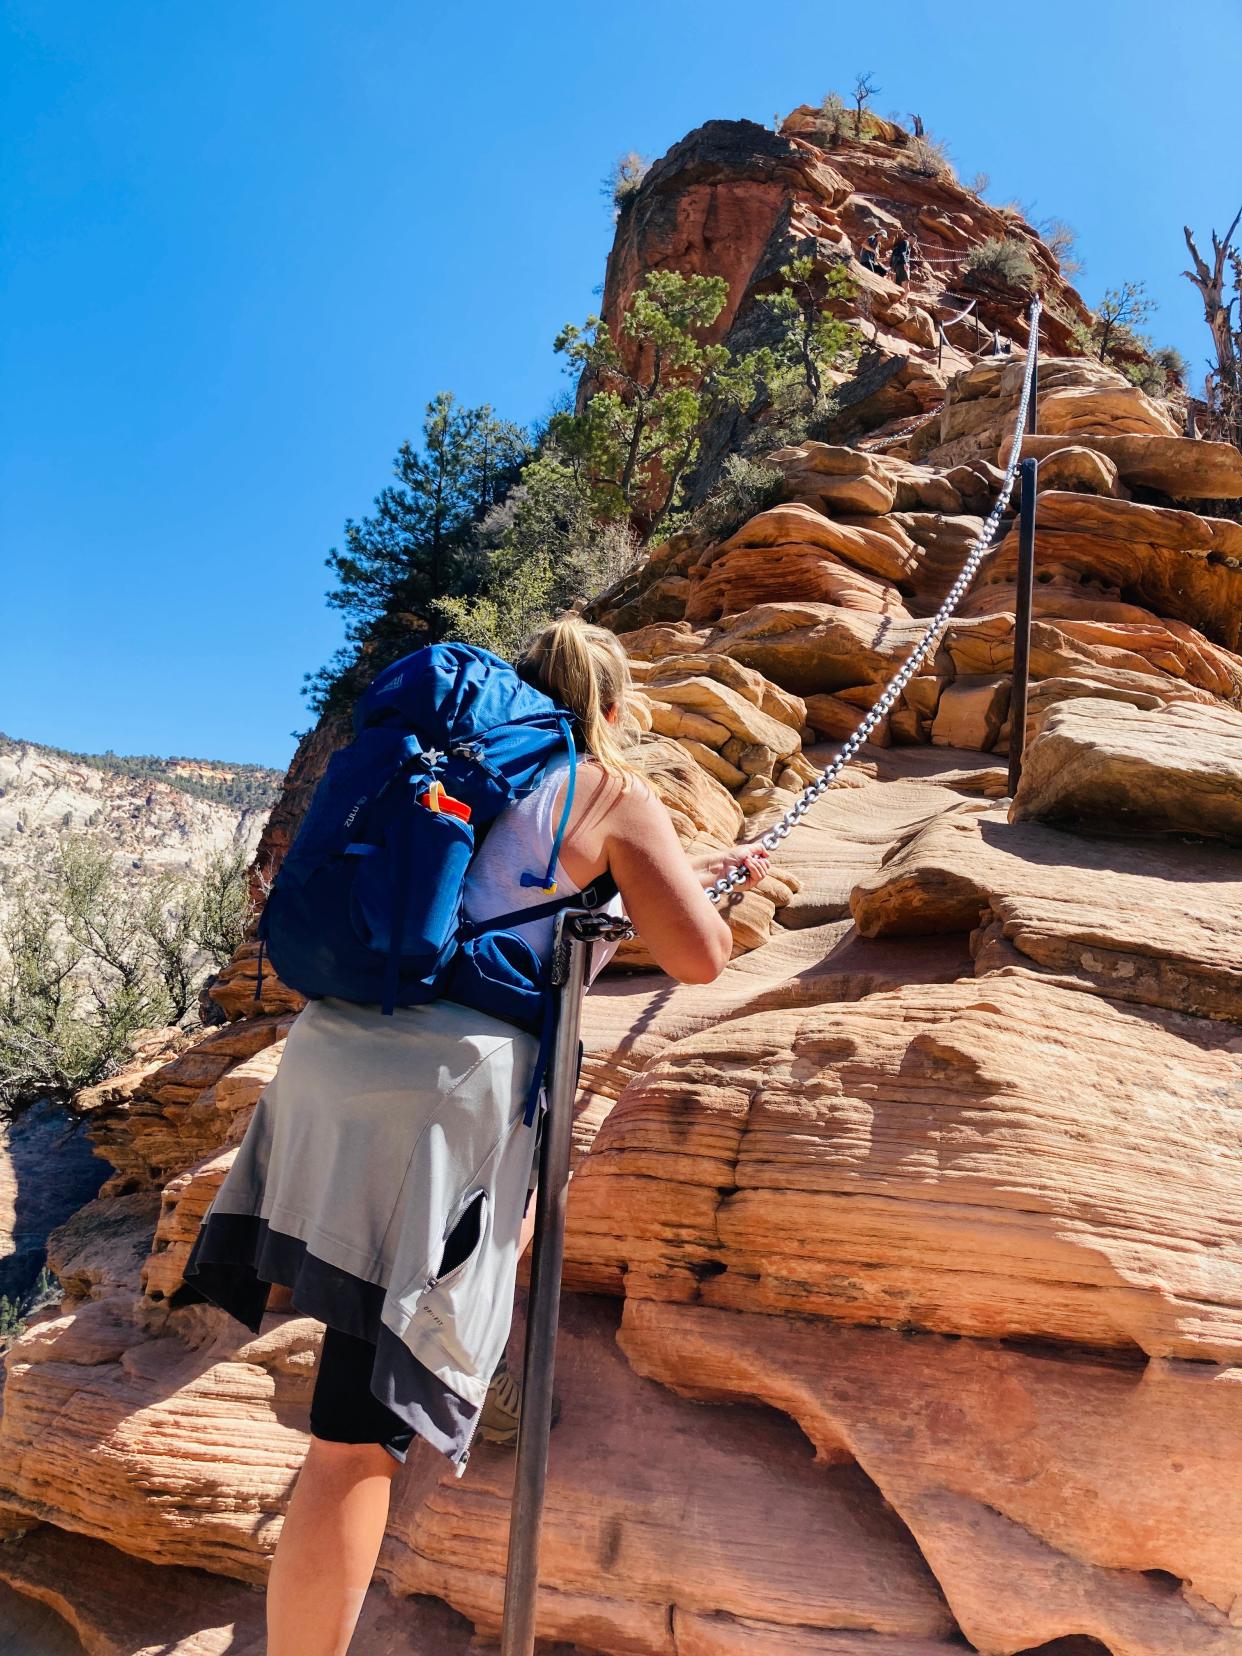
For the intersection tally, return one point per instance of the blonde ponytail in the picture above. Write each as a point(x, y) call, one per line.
point(586, 670)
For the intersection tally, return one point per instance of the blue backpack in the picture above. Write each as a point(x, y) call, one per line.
point(367, 905)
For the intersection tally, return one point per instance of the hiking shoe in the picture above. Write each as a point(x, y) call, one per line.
point(502, 1408)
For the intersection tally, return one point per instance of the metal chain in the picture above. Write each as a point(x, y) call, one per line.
point(948, 321)
point(902, 432)
point(849, 749)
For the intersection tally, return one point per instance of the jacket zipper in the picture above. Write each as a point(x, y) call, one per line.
point(465, 1454)
point(460, 1464)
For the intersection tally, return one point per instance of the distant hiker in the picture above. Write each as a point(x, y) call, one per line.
point(899, 256)
point(868, 258)
point(386, 1176)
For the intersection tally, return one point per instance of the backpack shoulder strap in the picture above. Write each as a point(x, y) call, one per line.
point(547, 880)
point(600, 891)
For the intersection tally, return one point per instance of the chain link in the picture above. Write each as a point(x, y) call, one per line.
point(849, 749)
point(902, 432)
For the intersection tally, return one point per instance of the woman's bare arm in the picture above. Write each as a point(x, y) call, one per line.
point(662, 892)
point(629, 832)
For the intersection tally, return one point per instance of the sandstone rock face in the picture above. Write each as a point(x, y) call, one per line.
point(974, 1447)
point(1172, 562)
point(644, 1567)
point(1139, 920)
point(901, 1162)
point(904, 1263)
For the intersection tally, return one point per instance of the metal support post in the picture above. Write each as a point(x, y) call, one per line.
point(575, 932)
point(1022, 621)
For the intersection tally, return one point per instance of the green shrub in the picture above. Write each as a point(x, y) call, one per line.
point(542, 551)
point(1164, 369)
point(834, 116)
point(15, 1310)
point(87, 960)
point(810, 339)
point(1004, 261)
point(1115, 323)
point(655, 389)
point(746, 487)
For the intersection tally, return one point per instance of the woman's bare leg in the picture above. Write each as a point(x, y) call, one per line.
point(326, 1553)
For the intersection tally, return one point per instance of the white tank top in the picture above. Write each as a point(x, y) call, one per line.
point(518, 842)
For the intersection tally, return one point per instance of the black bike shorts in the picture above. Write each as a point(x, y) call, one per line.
point(343, 1407)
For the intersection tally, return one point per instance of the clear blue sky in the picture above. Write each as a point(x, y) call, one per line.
point(245, 243)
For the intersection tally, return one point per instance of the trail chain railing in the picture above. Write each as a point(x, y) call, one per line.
point(902, 432)
point(848, 750)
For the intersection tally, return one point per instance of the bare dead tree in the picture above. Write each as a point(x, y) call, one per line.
point(1218, 313)
point(864, 90)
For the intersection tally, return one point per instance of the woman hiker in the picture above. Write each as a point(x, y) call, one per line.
point(869, 255)
point(383, 1105)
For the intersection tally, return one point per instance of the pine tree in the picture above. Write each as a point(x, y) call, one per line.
point(413, 549)
point(638, 434)
point(811, 338)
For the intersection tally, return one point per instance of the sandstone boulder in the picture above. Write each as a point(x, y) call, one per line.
point(1171, 769)
point(971, 712)
point(1080, 469)
point(1179, 565)
point(884, 553)
point(741, 579)
point(1184, 467)
point(816, 648)
point(834, 479)
point(775, 702)
point(1116, 409)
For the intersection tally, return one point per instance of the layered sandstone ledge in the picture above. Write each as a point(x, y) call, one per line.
point(904, 1309)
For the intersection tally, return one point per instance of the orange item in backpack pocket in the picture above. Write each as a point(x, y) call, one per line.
point(435, 799)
